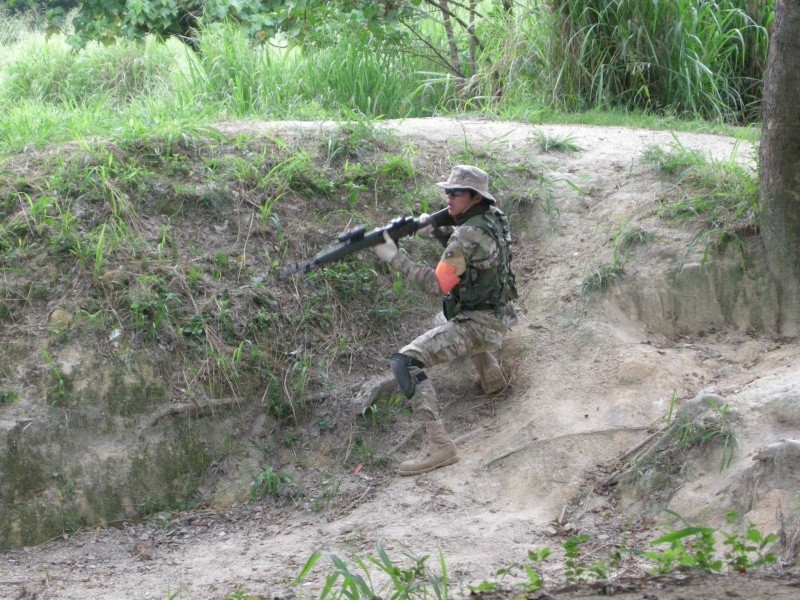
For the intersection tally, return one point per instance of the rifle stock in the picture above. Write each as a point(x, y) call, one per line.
point(358, 239)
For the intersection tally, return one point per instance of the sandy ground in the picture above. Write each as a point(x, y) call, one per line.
point(587, 381)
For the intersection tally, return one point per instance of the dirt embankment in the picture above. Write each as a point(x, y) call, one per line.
point(576, 444)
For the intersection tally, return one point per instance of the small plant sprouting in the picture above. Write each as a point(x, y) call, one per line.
point(625, 238)
point(415, 581)
point(241, 594)
point(379, 414)
point(716, 428)
point(552, 143)
point(8, 396)
point(689, 548)
point(673, 402)
point(694, 547)
point(628, 236)
point(535, 580)
point(577, 570)
point(748, 552)
point(601, 278)
point(272, 483)
point(60, 391)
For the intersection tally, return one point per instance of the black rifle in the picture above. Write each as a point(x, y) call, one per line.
point(359, 238)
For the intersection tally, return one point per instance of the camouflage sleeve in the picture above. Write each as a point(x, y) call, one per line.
point(467, 245)
point(422, 276)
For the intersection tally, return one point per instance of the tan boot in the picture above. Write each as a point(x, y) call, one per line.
point(440, 451)
point(489, 372)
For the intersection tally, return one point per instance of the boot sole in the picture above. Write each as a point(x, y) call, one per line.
point(448, 462)
point(494, 384)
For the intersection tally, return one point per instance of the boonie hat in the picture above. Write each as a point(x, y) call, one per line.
point(472, 178)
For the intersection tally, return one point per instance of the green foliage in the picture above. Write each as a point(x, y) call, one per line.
point(371, 81)
point(535, 580)
point(694, 547)
point(748, 552)
point(722, 196)
point(417, 580)
point(690, 56)
point(240, 593)
point(718, 428)
point(311, 22)
point(577, 569)
point(107, 20)
point(349, 61)
point(689, 548)
point(15, 7)
point(601, 278)
point(272, 483)
point(8, 396)
point(550, 143)
point(51, 73)
point(624, 239)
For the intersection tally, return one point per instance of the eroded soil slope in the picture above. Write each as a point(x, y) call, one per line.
point(592, 377)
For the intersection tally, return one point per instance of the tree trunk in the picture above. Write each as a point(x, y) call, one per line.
point(779, 157)
point(451, 38)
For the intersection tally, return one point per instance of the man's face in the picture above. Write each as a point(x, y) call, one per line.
point(460, 200)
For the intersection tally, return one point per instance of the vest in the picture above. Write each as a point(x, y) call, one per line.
point(489, 289)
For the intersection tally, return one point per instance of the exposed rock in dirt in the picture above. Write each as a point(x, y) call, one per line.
point(596, 382)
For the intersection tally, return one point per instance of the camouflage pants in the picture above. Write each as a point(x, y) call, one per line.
point(459, 338)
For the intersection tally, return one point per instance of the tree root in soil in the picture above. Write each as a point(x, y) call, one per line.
point(647, 451)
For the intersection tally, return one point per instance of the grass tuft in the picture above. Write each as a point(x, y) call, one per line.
point(721, 197)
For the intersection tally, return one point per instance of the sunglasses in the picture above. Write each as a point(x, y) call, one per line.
point(455, 192)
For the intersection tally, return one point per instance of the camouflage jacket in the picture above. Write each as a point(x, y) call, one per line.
point(473, 247)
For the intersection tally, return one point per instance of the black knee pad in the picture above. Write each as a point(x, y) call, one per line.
point(407, 381)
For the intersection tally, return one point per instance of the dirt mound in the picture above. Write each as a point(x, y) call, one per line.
point(602, 384)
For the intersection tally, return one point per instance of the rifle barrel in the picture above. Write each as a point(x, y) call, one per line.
point(356, 240)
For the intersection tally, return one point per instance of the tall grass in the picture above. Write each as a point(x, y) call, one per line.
point(268, 81)
point(376, 82)
point(688, 56)
point(49, 71)
point(694, 58)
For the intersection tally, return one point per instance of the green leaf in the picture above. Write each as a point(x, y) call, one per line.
point(673, 536)
point(485, 586)
point(307, 567)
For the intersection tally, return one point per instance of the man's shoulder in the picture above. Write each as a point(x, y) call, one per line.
point(472, 235)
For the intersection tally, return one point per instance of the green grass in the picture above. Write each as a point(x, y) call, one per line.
point(690, 548)
point(552, 143)
point(719, 197)
point(600, 278)
point(8, 396)
point(678, 64)
point(679, 56)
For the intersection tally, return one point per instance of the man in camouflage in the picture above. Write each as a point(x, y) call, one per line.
point(475, 275)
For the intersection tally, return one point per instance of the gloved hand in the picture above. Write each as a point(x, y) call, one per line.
point(388, 249)
point(427, 227)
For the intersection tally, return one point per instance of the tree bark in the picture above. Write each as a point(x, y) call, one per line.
point(451, 38)
point(779, 157)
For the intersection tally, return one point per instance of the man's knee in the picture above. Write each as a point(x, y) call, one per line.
point(402, 366)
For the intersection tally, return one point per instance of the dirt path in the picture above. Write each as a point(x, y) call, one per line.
point(587, 383)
